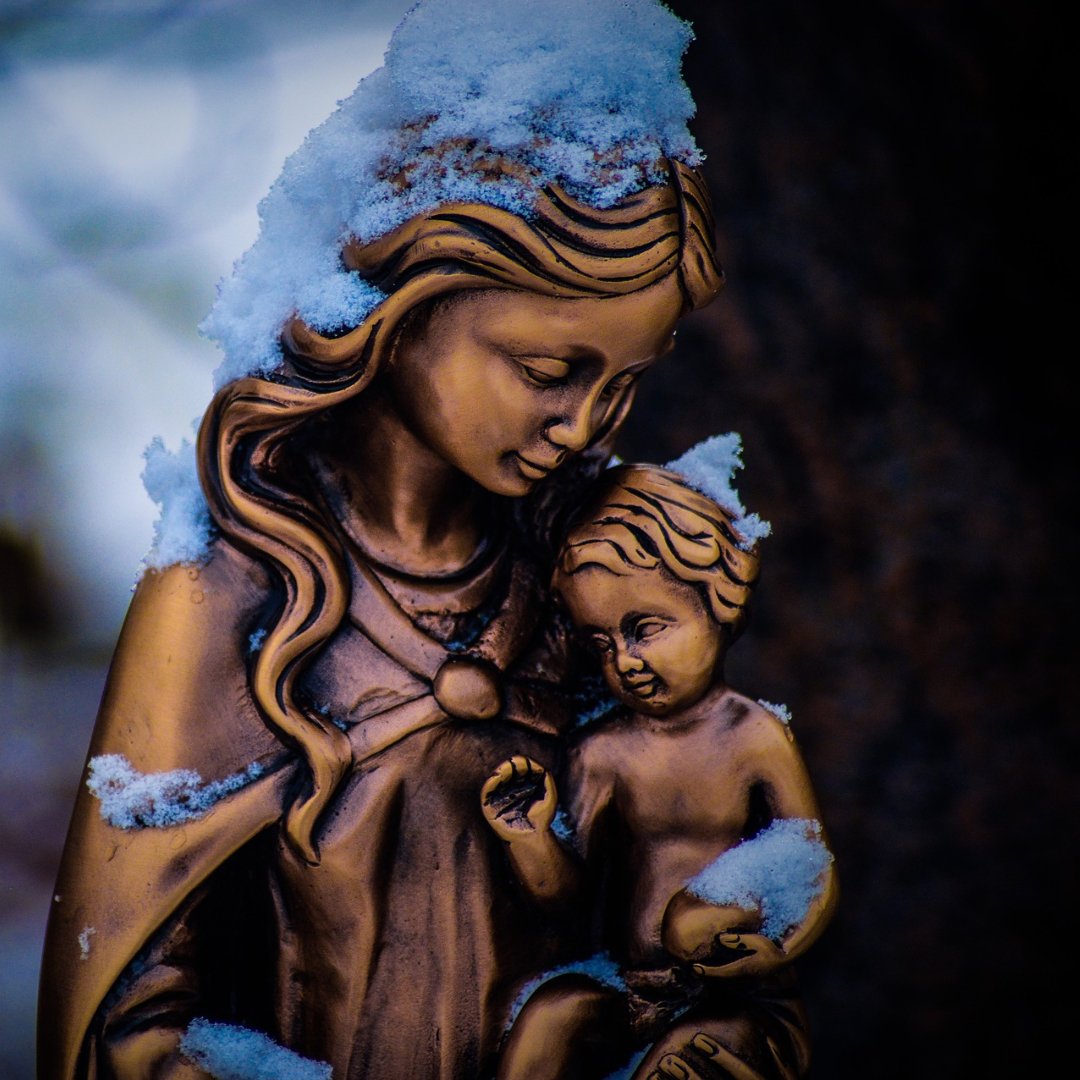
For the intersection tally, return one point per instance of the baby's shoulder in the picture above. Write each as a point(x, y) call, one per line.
point(742, 719)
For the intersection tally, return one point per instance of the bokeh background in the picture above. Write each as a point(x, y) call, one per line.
point(888, 346)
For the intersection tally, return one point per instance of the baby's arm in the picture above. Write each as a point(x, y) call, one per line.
point(786, 777)
point(721, 939)
point(518, 801)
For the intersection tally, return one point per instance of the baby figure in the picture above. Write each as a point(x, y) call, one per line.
point(694, 839)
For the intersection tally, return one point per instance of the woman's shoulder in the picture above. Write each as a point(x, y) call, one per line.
point(206, 606)
point(226, 580)
point(178, 693)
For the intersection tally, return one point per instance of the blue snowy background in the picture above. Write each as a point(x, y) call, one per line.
point(886, 346)
point(136, 138)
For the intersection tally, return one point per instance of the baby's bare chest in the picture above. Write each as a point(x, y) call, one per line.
point(693, 789)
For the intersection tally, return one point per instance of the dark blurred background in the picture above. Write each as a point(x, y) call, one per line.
point(885, 179)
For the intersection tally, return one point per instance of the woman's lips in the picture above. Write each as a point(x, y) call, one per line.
point(533, 470)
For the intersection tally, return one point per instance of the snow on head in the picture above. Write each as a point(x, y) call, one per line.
point(182, 531)
point(709, 467)
point(586, 96)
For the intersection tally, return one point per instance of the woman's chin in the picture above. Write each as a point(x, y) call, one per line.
point(511, 478)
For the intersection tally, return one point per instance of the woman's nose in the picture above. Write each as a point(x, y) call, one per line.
point(573, 430)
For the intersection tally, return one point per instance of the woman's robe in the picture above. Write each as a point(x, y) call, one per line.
point(399, 955)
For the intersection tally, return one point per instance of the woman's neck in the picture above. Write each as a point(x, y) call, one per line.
point(402, 503)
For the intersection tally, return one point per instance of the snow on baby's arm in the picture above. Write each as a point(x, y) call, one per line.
point(779, 872)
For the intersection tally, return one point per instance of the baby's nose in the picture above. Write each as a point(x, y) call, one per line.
point(625, 661)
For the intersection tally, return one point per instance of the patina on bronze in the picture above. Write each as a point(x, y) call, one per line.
point(388, 504)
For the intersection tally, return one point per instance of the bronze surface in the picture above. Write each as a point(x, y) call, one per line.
point(388, 508)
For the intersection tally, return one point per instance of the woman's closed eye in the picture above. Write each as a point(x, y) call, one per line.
point(543, 370)
point(619, 384)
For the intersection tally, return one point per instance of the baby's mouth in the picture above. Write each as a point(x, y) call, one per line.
point(642, 688)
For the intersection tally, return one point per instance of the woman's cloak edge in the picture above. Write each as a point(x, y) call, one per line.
point(176, 697)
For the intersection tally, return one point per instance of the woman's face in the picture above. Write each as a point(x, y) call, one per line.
point(506, 385)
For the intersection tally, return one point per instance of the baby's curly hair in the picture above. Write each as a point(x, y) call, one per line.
point(643, 517)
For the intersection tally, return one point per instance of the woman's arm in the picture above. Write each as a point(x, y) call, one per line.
point(139, 1028)
point(176, 699)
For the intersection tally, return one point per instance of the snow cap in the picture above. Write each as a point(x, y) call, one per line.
point(588, 97)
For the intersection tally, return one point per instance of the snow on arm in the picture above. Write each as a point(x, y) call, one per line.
point(779, 872)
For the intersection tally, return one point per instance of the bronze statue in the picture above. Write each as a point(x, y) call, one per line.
point(282, 837)
point(655, 577)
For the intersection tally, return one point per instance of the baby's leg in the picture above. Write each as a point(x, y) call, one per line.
point(757, 1033)
point(571, 1028)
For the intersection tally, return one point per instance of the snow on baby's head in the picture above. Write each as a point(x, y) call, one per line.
point(709, 467)
point(588, 97)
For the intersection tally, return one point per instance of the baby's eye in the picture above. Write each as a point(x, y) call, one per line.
point(648, 628)
point(601, 643)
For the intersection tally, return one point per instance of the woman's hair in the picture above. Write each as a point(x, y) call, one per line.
point(566, 249)
point(647, 518)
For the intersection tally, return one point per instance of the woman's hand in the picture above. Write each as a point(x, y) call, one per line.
point(519, 799)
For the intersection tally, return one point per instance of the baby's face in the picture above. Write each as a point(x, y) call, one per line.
point(659, 645)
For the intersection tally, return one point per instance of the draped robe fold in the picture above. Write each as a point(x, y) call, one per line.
point(399, 955)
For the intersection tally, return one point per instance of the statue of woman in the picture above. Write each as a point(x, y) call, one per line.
point(280, 831)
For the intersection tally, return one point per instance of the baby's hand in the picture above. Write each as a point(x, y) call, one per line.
point(692, 927)
point(740, 954)
point(519, 798)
